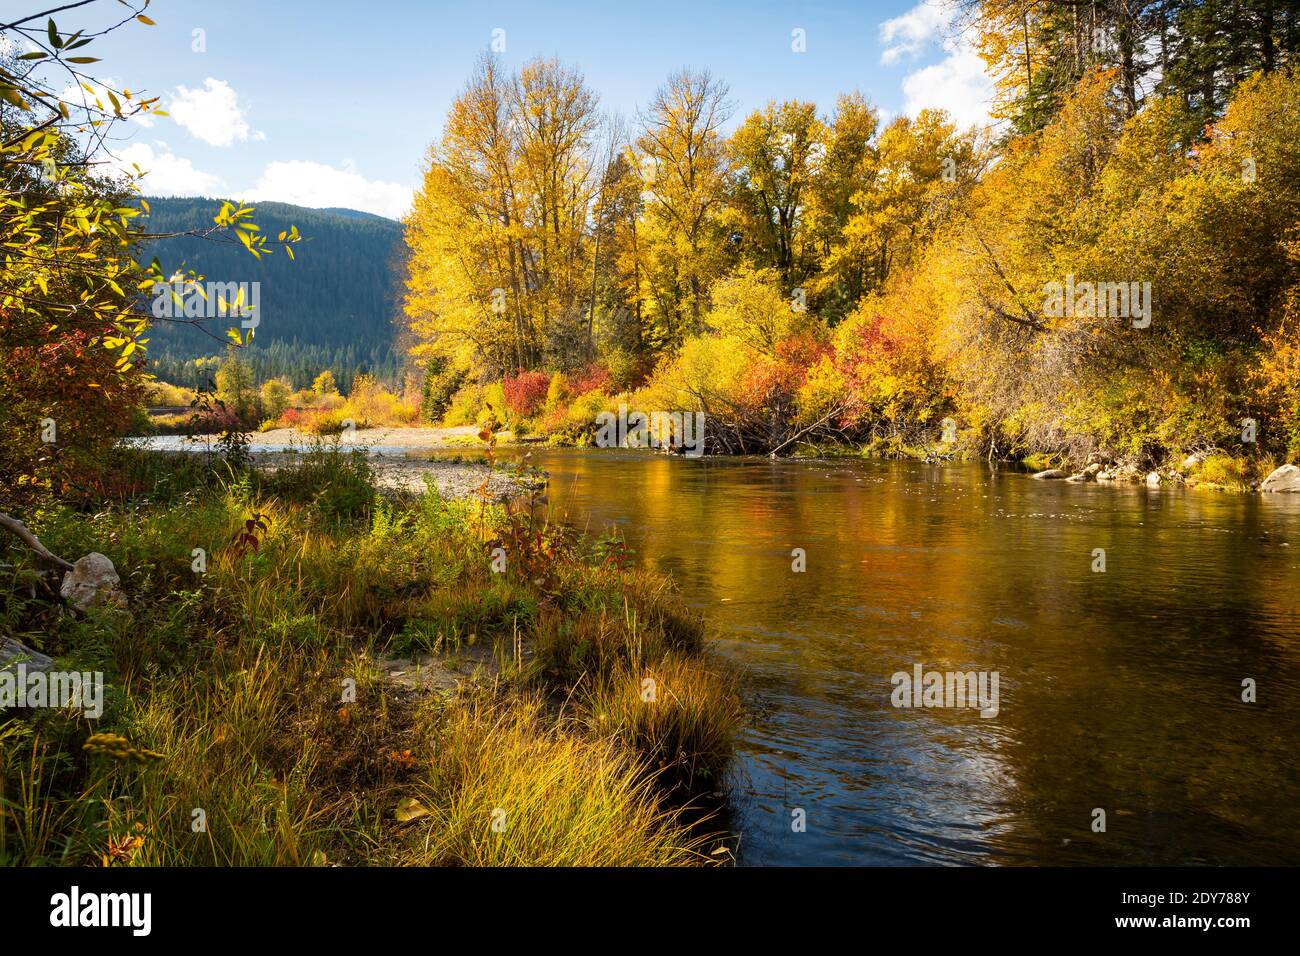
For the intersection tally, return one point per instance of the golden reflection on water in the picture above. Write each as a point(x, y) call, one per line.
point(1118, 690)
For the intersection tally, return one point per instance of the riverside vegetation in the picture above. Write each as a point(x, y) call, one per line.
point(595, 728)
point(816, 279)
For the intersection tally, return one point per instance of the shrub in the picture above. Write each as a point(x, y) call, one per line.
point(594, 378)
point(371, 405)
point(627, 370)
point(275, 397)
point(159, 393)
point(470, 405)
point(464, 406)
point(322, 422)
point(558, 391)
point(526, 392)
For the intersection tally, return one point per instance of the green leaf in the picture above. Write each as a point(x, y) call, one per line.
point(53, 32)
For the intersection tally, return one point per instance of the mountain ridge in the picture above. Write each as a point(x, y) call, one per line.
point(332, 306)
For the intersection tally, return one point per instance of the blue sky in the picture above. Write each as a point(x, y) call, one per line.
point(332, 103)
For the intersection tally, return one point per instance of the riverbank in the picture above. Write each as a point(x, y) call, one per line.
point(394, 453)
point(308, 670)
point(1211, 469)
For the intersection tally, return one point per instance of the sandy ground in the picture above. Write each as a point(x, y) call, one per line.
point(460, 436)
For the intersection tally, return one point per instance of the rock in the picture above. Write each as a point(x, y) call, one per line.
point(1049, 474)
point(1194, 459)
point(1286, 478)
point(1105, 476)
point(1153, 479)
point(1089, 473)
point(13, 653)
point(92, 582)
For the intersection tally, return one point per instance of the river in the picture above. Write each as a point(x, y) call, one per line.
point(1119, 690)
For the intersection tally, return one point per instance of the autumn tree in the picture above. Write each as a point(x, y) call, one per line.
point(682, 158)
point(499, 231)
point(846, 163)
point(775, 154)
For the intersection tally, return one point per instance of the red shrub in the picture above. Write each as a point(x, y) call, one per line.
point(592, 378)
point(803, 350)
point(526, 392)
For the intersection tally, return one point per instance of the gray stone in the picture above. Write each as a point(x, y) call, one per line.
point(1049, 474)
point(1153, 479)
point(92, 582)
point(1284, 479)
point(13, 653)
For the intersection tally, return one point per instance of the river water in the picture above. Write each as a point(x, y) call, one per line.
point(1118, 690)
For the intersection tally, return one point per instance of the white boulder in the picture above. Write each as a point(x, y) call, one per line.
point(1286, 478)
point(92, 582)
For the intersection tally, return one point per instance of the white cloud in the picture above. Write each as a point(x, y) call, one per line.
point(957, 84)
point(166, 174)
point(212, 114)
point(318, 185)
point(907, 35)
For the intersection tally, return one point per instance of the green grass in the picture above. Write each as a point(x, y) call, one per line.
point(259, 686)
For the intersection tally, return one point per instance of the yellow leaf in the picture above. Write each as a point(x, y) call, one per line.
point(410, 809)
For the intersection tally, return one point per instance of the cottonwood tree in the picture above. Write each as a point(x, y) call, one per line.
point(500, 230)
point(682, 157)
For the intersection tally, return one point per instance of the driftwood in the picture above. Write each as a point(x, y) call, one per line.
point(43, 554)
point(838, 410)
point(12, 652)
